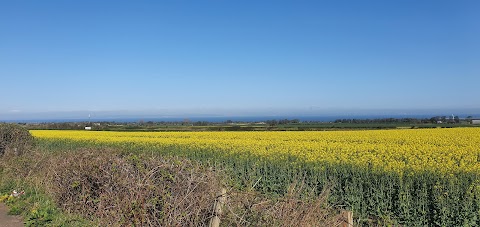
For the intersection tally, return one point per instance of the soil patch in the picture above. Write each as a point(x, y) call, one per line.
point(9, 220)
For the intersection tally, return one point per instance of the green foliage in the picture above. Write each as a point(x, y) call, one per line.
point(36, 207)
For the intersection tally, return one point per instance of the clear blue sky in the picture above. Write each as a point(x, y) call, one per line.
point(238, 56)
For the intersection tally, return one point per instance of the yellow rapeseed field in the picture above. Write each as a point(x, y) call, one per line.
point(444, 151)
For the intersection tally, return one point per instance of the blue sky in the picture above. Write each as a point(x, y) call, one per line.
point(238, 57)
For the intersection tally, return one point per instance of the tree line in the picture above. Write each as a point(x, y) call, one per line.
point(432, 120)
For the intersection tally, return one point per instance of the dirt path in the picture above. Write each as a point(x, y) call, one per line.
point(9, 220)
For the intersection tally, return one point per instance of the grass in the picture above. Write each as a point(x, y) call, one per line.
point(36, 206)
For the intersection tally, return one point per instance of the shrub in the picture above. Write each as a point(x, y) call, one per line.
point(300, 206)
point(133, 190)
point(14, 139)
point(104, 187)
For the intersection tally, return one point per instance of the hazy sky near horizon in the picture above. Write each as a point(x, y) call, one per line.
point(238, 55)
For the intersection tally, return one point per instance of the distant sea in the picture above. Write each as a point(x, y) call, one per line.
point(218, 119)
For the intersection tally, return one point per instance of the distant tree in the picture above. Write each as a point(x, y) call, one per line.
point(201, 123)
point(272, 122)
point(186, 121)
point(456, 119)
point(450, 120)
point(469, 119)
point(443, 119)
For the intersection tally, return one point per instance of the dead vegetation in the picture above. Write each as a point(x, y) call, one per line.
point(14, 139)
point(299, 207)
point(132, 190)
point(116, 189)
point(124, 190)
point(154, 191)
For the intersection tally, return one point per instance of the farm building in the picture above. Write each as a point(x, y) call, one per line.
point(476, 122)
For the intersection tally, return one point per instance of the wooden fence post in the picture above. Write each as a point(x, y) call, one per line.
point(347, 219)
point(217, 208)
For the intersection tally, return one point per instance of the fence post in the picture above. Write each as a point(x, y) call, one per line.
point(217, 208)
point(347, 219)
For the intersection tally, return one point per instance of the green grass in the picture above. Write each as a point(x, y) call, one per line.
point(36, 207)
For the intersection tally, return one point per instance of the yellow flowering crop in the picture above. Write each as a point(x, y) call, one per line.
point(439, 150)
